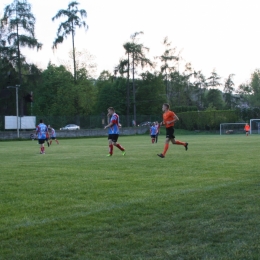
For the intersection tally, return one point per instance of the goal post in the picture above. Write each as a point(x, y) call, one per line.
point(231, 128)
point(254, 126)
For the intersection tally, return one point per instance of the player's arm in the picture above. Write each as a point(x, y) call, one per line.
point(113, 122)
point(109, 125)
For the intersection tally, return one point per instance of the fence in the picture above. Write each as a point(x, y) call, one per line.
point(192, 120)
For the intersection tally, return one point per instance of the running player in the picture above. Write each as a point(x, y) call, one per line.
point(169, 118)
point(113, 131)
point(153, 132)
point(158, 131)
point(47, 138)
point(41, 131)
point(247, 128)
point(53, 135)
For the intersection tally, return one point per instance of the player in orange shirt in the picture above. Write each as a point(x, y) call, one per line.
point(247, 128)
point(169, 118)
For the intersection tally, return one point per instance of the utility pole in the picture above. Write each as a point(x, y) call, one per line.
point(17, 113)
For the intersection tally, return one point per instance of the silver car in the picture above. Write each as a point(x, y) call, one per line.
point(70, 127)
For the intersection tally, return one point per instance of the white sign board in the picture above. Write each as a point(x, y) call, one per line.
point(25, 122)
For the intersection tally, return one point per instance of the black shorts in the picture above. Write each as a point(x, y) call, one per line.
point(170, 132)
point(41, 141)
point(153, 136)
point(53, 138)
point(113, 137)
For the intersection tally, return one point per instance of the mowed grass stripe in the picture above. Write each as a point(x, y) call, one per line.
point(76, 203)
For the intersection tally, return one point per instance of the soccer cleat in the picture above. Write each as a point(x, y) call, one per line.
point(109, 155)
point(161, 155)
point(123, 153)
point(186, 146)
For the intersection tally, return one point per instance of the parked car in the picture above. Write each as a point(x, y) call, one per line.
point(70, 127)
point(147, 123)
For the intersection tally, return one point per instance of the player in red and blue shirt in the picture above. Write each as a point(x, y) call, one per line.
point(53, 135)
point(113, 131)
point(153, 132)
point(41, 132)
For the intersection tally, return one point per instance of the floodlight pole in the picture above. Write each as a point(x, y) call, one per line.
point(17, 113)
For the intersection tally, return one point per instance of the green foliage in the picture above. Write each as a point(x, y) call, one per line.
point(205, 120)
point(150, 94)
point(215, 99)
point(178, 109)
point(58, 95)
point(111, 92)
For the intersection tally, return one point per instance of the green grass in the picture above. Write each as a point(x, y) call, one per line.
point(76, 203)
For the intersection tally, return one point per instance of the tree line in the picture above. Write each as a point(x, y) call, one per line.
point(136, 86)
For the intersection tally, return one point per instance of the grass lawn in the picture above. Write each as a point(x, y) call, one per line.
point(76, 203)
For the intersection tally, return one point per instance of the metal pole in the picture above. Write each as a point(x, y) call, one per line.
point(17, 114)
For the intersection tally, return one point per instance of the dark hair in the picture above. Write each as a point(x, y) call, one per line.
point(41, 121)
point(111, 108)
point(166, 105)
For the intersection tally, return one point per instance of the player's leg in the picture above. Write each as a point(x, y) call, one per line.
point(166, 147)
point(180, 143)
point(47, 140)
point(156, 138)
point(57, 142)
point(152, 139)
point(110, 146)
point(41, 143)
point(115, 143)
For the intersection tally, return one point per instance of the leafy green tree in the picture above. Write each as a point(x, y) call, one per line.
point(138, 53)
point(255, 87)
point(124, 67)
point(136, 56)
point(111, 93)
point(213, 80)
point(200, 84)
point(20, 25)
point(69, 27)
point(244, 91)
point(228, 90)
point(52, 96)
point(150, 94)
point(168, 59)
point(214, 99)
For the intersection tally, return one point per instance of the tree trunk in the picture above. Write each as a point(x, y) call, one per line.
point(73, 51)
point(134, 88)
point(128, 92)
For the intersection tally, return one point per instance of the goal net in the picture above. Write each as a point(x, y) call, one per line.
point(254, 126)
point(231, 128)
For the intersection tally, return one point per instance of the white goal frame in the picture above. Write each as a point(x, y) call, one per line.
point(251, 120)
point(220, 126)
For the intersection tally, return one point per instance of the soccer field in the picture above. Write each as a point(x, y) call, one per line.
point(76, 203)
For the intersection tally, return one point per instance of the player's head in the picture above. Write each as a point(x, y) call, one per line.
point(165, 107)
point(111, 110)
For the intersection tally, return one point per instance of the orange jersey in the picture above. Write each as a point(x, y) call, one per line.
point(168, 116)
point(247, 128)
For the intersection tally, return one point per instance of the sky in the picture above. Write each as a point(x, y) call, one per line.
point(211, 34)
